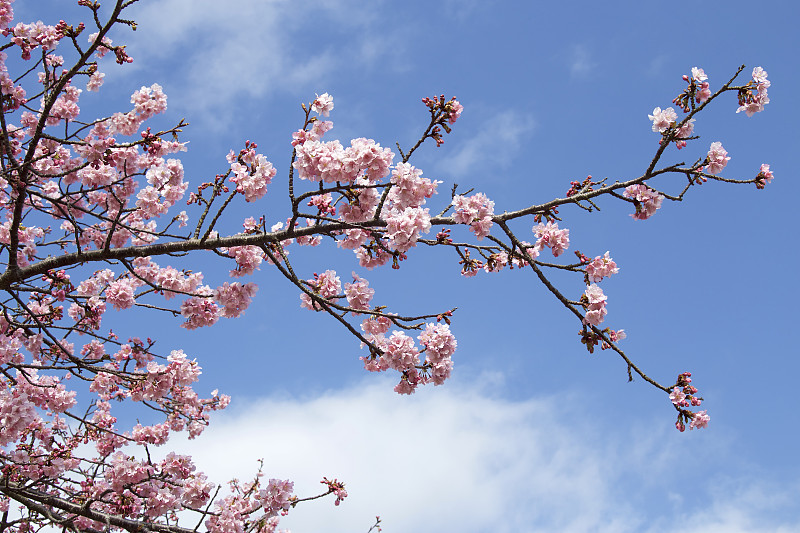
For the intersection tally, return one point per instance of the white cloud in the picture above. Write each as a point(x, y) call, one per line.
point(219, 52)
point(495, 145)
point(459, 459)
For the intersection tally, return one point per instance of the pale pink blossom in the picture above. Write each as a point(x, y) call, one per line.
point(475, 210)
point(409, 188)
point(323, 104)
point(252, 178)
point(717, 158)
point(704, 93)
point(455, 109)
point(120, 293)
point(149, 101)
point(401, 354)
point(326, 285)
point(764, 176)
point(601, 267)
point(95, 81)
point(358, 293)
point(595, 304)
point(248, 259)
point(376, 325)
point(551, 236)
point(403, 228)
point(439, 342)
point(663, 120)
point(234, 298)
point(677, 396)
point(199, 312)
point(16, 414)
point(647, 200)
point(700, 420)
point(698, 74)
point(276, 497)
point(759, 75)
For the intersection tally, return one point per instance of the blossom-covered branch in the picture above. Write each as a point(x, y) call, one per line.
point(91, 223)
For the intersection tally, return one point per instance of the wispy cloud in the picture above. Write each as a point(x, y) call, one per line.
point(580, 61)
point(496, 143)
point(461, 459)
point(217, 53)
point(461, 10)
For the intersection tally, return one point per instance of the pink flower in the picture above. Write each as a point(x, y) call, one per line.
point(647, 200)
point(403, 228)
point(549, 235)
point(120, 294)
point(358, 293)
point(752, 103)
point(698, 74)
point(199, 312)
point(677, 396)
point(704, 93)
point(234, 298)
point(764, 176)
point(438, 341)
point(717, 158)
point(149, 101)
point(759, 75)
point(475, 210)
point(276, 497)
point(595, 304)
point(455, 109)
point(401, 354)
point(684, 132)
point(323, 104)
point(327, 285)
point(700, 420)
point(663, 120)
point(601, 267)
point(16, 413)
point(95, 81)
point(252, 178)
point(409, 188)
point(248, 259)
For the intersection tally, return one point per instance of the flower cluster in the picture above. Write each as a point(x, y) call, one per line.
point(764, 176)
point(685, 395)
point(600, 267)
point(646, 200)
point(277, 497)
point(663, 120)
point(330, 162)
point(717, 158)
point(358, 293)
point(326, 285)
point(594, 301)
point(398, 352)
point(335, 487)
point(251, 172)
point(475, 210)
point(551, 236)
point(752, 102)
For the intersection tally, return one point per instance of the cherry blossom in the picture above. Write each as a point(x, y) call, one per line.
point(647, 201)
point(663, 120)
point(601, 267)
point(550, 236)
point(717, 158)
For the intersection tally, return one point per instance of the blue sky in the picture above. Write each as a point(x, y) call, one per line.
point(532, 433)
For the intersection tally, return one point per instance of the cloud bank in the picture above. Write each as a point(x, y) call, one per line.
point(461, 459)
